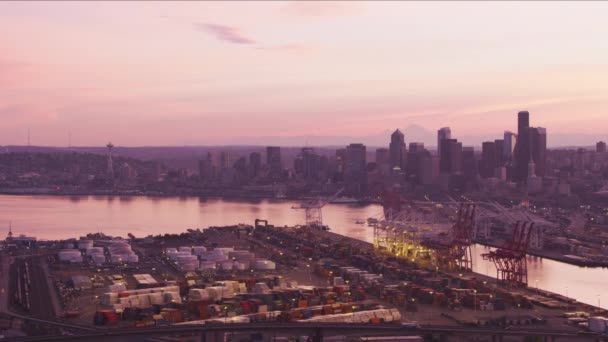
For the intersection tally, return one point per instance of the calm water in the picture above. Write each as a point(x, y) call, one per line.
point(51, 217)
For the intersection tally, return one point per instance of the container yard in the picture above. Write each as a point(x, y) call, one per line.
point(262, 273)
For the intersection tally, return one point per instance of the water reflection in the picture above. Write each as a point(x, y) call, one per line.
point(51, 217)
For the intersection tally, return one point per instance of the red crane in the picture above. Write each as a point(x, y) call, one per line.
point(510, 260)
point(456, 253)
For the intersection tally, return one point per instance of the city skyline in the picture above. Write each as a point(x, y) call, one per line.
point(150, 74)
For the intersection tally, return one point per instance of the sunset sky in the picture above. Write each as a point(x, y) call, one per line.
point(166, 73)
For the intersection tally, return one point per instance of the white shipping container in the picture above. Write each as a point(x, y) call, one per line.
point(172, 297)
point(263, 264)
point(156, 298)
point(226, 265)
point(185, 249)
point(207, 265)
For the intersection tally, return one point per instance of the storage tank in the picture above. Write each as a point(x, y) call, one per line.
point(85, 244)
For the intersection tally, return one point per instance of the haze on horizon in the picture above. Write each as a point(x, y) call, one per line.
point(195, 73)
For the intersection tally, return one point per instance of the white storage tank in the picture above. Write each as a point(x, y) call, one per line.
point(133, 258)
point(70, 255)
point(94, 250)
point(85, 244)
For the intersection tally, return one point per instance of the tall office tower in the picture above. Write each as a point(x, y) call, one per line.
point(416, 147)
point(456, 158)
point(383, 156)
point(442, 134)
point(538, 146)
point(273, 160)
point(355, 171)
point(397, 149)
point(509, 141)
point(205, 169)
point(428, 169)
point(255, 164)
point(308, 164)
point(500, 147)
point(488, 159)
point(224, 162)
point(600, 147)
point(340, 160)
point(522, 149)
point(110, 165)
point(450, 160)
point(470, 169)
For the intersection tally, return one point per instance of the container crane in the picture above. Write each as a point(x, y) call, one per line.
point(510, 260)
point(314, 216)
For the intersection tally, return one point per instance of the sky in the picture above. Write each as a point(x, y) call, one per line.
point(208, 73)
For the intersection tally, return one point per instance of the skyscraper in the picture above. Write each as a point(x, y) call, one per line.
point(450, 159)
point(600, 147)
point(428, 169)
point(522, 148)
point(355, 172)
point(397, 149)
point(273, 160)
point(308, 164)
point(255, 164)
point(205, 169)
point(470, 169)
point(383, 156)
point(442, 134)
point(456, 158)
point(488, 159)
point(538, 146)
point(499, 144)
point(509, 141)
point(413, 167)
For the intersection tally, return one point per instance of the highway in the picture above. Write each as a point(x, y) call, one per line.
point(210, 332)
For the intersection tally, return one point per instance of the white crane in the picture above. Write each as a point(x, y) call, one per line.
point(314, 217)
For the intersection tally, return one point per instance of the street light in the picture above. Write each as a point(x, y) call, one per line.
point(474, 300)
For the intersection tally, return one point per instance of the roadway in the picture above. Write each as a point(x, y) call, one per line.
point(212, 332)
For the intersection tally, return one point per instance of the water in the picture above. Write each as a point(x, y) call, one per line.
point(52, 217)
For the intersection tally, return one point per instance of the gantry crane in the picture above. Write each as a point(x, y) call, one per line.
point(510, 260)
point(314, 216)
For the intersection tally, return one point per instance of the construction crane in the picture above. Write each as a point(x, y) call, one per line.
point(510, 260)
point(314, 216)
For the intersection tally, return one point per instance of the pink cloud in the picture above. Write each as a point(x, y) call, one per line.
point(224, 33)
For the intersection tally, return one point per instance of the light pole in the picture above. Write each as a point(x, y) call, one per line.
point(474, 300)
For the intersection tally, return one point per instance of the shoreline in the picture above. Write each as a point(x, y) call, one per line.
point(535, 253)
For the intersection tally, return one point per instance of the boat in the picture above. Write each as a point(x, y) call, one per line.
point(344, 200)
point(360, 222)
